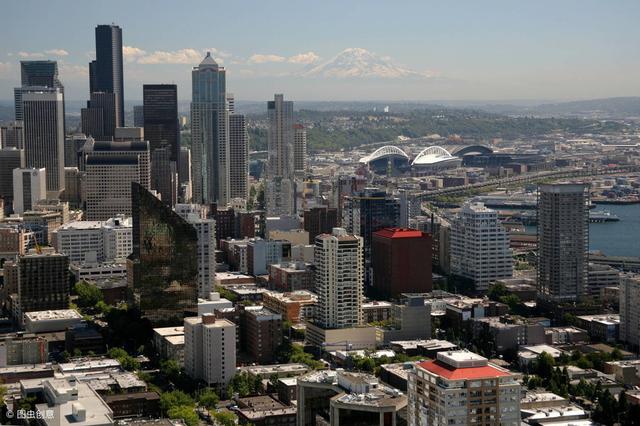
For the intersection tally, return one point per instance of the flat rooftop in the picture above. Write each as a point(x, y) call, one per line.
point(462, 359)
point(86, 365)
point(265, 370)
point(169, 331)
point(82, 225)
point(175, 340)
point(59, 314)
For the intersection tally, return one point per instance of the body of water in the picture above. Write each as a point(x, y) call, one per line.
point(620, 238)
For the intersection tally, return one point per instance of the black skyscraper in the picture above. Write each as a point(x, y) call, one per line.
point(160, 112)
point(106, 75)
point(161, 117)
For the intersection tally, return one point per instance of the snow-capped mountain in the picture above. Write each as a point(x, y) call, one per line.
point(358, 62)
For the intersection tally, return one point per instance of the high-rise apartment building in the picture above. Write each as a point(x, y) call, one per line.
point(462, 388)
point(43, 112)
point(12, 135)
point(206, 231)
point(320, 220)
point(339, 279)
point(162, 132)
point(401, 262)
point(210, 349)
point(10, 158)
point(280, 187)
point(261, 331)
point(238, 157)
point(29, 187)
point(105, 72)
point(563, 240)
point(163, 268)
point(369, 211)
point(480, 247)
point(209, 133)
point(299, 148)
point(630, 310)
point(99, 118)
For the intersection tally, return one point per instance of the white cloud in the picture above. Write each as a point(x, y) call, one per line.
point(57, 52)
point(304, 58)
point(131, 53)
point(182, 56)
point(258, 58)
point(31, 54)
point(36, 55)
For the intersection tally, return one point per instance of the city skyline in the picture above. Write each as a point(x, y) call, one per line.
point(463, 52)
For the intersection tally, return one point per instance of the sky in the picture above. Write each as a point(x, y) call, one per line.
point(491, 50)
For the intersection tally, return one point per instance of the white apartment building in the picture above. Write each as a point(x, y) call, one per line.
point(210, 349)
point(206, 230)
point(339, 279)
point(630, 310)
point(480, 246)
point(462, 388)
point(95, 241)
point(29, 187)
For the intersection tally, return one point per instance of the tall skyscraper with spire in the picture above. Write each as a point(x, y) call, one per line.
point(105, 73)
point(280, 190)
point(209, 133)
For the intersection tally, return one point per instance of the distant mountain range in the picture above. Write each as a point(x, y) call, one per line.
point(606, 108)
point(621, 107)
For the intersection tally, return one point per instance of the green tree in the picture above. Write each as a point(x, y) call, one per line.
point(175, 398)
point(366, 364)
point(496, 291)
point(225, 418)
point(188, 414)
point(128, 362)
point(208, 398)
point(170, 368)
point(88, 294)
point(606, 411)
point(240, 384)
point(544, 365)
